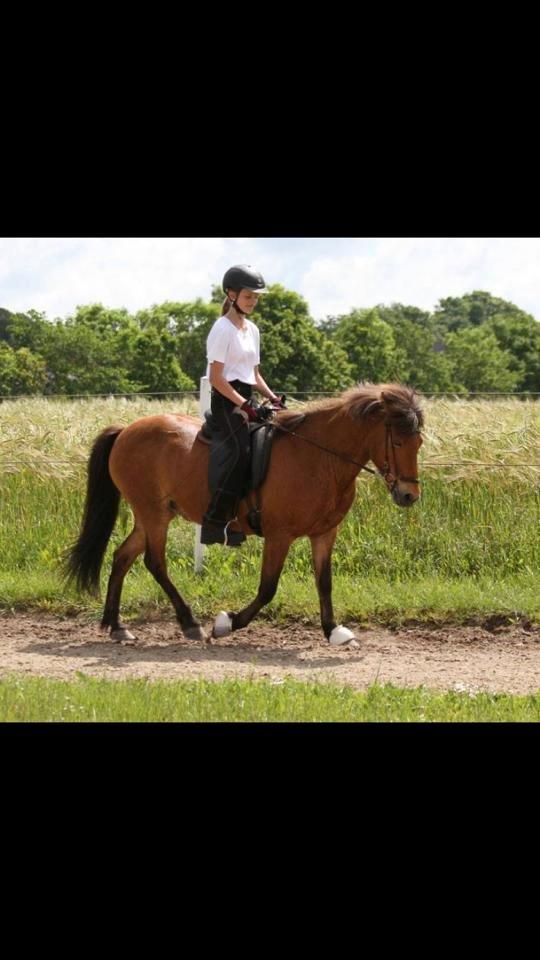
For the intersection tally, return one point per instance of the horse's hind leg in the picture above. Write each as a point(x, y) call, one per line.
point(156, 563)
point(275, 552)
point(321, 549)
point(123, 559)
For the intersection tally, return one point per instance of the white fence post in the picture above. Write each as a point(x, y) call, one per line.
point(204, 404)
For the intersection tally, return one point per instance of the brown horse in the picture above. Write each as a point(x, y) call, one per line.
point(159, 467)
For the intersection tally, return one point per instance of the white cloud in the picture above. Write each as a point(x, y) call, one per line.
point(419, 271)
point(57, 274)
point(333, 274)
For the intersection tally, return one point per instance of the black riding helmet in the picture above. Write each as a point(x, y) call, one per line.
point(243, 277)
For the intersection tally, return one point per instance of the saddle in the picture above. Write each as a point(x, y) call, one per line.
point(261, 439)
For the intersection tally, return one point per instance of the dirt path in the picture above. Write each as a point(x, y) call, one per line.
point(490, 656)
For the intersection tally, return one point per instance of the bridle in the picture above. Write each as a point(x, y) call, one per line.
point(391, 479)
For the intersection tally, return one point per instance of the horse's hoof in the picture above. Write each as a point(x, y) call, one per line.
point(117, 636)
point(222, 625)
point(341, 635)
point(195, 633)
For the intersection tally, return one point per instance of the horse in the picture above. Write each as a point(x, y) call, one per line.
point(159, 467)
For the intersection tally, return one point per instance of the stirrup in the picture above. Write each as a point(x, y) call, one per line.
point(212, 533)
point(235, 537)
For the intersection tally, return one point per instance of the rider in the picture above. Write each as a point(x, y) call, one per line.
point(233, 370)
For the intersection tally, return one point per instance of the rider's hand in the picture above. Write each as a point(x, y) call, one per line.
point(278, 402)
point(249, 412)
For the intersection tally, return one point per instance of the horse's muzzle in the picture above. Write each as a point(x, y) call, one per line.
point(404, 498)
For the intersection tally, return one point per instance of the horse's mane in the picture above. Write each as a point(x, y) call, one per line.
point(400, 407)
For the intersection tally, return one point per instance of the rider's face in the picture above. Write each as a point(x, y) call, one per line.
point(246, 300)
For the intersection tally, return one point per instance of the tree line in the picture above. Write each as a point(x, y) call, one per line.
point(472, 343)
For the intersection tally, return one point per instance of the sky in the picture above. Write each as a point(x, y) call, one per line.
point(334, 274)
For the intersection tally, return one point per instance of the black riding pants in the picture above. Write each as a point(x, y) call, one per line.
point(229, 457)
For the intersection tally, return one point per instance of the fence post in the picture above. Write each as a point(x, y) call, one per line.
point(204, 404)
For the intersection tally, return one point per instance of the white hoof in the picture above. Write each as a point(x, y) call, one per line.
point(340, 635)
point(222, 625)
point(117, 636)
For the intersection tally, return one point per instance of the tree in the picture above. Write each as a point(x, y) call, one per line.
point(5, 317)
point(370, 346)
point(81, 360)
point(189, 324)
point(479, 363)
point(154, 364)
point(295, 355)
point(8, 366)
point(328, 326)
point(26, 330)
point(103, 320)
point(519, 335)
point(21, 371)
point(421, 348)
point(471, 310)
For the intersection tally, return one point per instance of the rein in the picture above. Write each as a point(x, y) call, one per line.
point(390, 478)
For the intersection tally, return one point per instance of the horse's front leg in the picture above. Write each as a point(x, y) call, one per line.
point(321, 548)
point(275, 552)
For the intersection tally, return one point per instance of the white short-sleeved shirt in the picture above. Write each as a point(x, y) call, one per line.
point(237, 349)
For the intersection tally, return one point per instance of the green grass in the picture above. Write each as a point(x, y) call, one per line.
point(91, 700)
point(375, 601)
point(471, 546)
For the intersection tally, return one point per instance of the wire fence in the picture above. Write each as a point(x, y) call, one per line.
point(195, 394)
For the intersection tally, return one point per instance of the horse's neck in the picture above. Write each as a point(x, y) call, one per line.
point(340, 434)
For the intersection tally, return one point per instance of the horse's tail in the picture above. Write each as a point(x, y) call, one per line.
point(83, 560)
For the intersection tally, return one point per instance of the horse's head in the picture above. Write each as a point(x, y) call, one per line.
point(393, 438)
point(396, 441)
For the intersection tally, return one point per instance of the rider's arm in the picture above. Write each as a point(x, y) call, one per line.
point(262, 386)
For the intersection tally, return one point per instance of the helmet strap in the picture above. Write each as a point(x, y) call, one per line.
point(238, 309)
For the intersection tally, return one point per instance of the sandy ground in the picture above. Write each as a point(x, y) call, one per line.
point(490, 656)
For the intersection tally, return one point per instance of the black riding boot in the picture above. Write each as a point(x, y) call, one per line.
point(220, 533)
point(228, 466)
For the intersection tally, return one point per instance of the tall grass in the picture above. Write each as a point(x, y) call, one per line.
point(471, 544)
